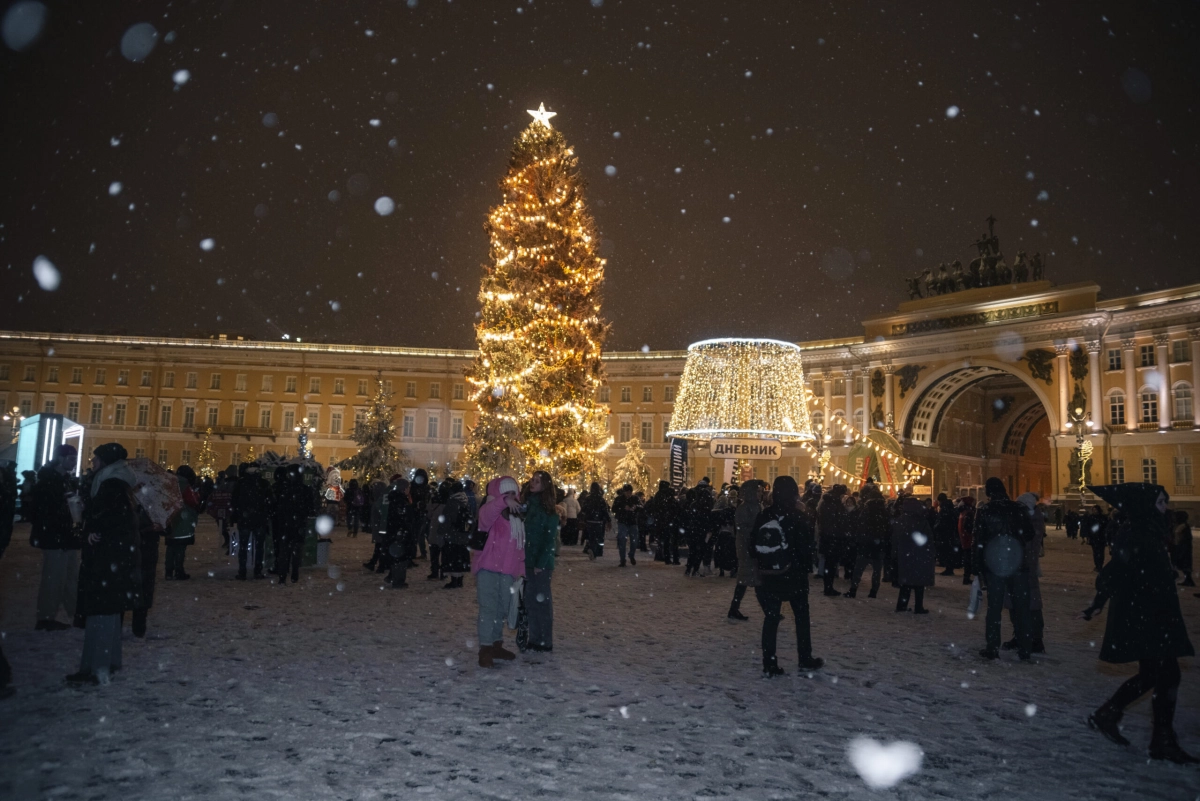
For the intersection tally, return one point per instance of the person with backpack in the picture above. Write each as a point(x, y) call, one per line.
point(1003, 531)
point(783, 547)
point(457, 528)
point(251, 509)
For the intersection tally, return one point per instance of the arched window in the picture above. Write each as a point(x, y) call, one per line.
point(1116, 408)
point(818, 421)
point(1149, 406)
point(858, 419)
point(1181, 397)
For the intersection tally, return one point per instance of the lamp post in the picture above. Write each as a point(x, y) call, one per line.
point(14, 414)
point(824, 455)
point(302, 430)
point(1082, 424)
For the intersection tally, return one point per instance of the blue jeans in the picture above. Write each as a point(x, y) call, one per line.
point(494, 593)
point(626, 533)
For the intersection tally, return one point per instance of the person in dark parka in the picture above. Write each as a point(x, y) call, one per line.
point(400, 544)
point(873, 533)
point(783, 547)
point(663, 513)
point(913, 546)
point(945, 529)
point(110, 569)
point(295, 503)
point(832, 531)
point(251, 505)
point(744, 520)
point(1145, 624)
point(54, 533)
point(1002, 533)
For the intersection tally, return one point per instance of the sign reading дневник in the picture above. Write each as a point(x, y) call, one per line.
point(768, 449)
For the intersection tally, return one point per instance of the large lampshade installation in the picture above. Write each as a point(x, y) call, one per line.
point(747, 388)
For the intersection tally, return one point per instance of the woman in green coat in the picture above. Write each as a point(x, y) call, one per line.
point(1145, 624)
point(541, 545)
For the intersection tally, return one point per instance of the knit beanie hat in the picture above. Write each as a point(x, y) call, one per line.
point(509, 484)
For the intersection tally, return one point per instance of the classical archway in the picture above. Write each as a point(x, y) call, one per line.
point(979, 419)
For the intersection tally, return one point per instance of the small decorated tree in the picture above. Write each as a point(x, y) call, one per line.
point(206, 459)
point(378, 456)
point(632, 469)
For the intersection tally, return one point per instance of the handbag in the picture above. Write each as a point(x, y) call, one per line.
point(477, 540)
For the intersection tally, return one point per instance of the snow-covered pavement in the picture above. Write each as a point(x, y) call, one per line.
point(250, 690)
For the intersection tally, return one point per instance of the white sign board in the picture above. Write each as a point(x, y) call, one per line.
point(764, 449)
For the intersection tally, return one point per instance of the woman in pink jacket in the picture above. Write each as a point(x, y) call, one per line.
point(498, 565)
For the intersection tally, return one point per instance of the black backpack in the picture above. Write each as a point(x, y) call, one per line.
point(771, 547)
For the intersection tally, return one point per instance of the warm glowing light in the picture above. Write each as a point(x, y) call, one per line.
point(541, 115)
point(742, 388)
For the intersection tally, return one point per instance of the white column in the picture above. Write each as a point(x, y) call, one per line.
point(889, 398)
point(827, 382)
point(866, 402)
point(1095, 401)
point(849, 380)
point(1064, 380)
point(1195, 335)
point(1132, 403)
point(1162, 360)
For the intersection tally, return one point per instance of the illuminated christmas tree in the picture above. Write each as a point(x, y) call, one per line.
point(378, 456)
point(206, 459)
point(540, 332)
point(632, 469)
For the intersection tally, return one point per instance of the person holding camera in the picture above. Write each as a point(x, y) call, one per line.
point(498, 562)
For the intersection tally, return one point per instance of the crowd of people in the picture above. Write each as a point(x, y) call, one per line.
point(100, 554)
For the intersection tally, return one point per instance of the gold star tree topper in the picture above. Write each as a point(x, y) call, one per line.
point(541, 115)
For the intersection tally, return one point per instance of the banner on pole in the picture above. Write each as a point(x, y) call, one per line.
point(679, 451)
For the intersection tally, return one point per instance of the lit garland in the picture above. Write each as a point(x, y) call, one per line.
point(742, 388)
point(540, 333)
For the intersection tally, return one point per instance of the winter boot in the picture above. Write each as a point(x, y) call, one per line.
point(735, 615)
point(500, 652)
point(812, 663)
point(1105, 720)
point(485, 656)
point(874, 593)
point(853, 593)
point(632, 561)
point(771, 668)
point(1164, 745)
point(990, 653)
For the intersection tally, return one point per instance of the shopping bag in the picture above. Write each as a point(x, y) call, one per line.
point(975, 598)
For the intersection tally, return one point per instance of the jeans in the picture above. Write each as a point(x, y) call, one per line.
point(60, 581)
point(540, 607)
point(244, 535)
point(772, 606)
point(1016, 585)
point(101, 643)
point(626, 534)
point(493, 591)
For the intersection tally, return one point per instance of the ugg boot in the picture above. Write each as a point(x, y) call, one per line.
point(485, 656)
point(1105, 720)
point(499, 651)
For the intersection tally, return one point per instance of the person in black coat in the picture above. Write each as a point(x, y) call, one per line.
point(783, 546)
point(294, 504)
point(697, 525)
point(400, 539)
point(1002, 533)
point(110, 569)
point(251, 513)
point(419, 492)
point(54, 534)
point(662, 513)
point(1145, 624)
point(8, 509)
point(945, 530)
point(873, 529)
point(832, 531)
point(595, 515)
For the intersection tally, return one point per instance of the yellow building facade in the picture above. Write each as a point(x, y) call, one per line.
point(974, 383)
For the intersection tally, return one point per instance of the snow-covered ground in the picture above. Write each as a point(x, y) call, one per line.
point(250, 690)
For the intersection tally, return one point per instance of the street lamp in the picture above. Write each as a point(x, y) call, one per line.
point(1082, 425)
point(14, 414)
point(302, 437)
point(824, 455)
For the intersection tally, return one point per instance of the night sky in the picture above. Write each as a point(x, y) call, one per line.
point(780, 167)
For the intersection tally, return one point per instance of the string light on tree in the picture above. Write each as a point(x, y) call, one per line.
point(375, 435)
point(540, 331)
